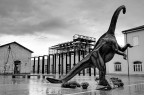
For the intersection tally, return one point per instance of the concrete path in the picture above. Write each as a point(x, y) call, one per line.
point(133, 85)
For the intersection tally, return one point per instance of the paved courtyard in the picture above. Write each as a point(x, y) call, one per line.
point(133, 85)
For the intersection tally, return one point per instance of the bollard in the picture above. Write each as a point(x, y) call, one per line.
point(28, 76)
point(13, 76)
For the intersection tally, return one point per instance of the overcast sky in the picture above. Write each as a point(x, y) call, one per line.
point(39, 24)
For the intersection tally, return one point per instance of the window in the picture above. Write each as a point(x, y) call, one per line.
point(117, 66)
point(137, 66)
point(135, 41)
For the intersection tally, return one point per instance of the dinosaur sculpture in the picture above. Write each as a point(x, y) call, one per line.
point(104, 50)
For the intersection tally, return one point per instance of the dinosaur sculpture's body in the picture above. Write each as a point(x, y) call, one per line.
point(104, 50)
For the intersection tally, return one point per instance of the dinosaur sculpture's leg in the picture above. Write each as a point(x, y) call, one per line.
point(85, 63)
point(102, 79)
point(98, 62)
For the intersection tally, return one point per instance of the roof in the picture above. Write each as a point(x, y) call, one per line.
point(18, 45)
point(139, 28)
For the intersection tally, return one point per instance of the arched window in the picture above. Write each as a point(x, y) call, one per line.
point(117, 66)
point(137, 66)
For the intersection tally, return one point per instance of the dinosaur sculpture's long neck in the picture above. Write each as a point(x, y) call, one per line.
point(112, 26)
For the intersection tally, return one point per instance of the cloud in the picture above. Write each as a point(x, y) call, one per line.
point(21, 17)
point(10, 27)
point(61, 17)
point(39, 24)
point(8, 7)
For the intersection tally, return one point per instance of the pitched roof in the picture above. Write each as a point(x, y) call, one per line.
point(18, 45)
point(139, 28)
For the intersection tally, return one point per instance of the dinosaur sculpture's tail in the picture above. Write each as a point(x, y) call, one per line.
point(75, 70)
point(112, 26)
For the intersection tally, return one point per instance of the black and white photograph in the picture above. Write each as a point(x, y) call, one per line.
point(71, 47)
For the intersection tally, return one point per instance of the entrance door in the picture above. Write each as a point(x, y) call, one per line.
point(17, 67)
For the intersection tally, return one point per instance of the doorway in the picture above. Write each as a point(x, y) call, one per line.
point(17, 65)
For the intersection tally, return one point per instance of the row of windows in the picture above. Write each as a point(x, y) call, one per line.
point(137, 66)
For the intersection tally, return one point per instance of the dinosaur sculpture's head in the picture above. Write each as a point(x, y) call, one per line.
point(124, 9)
point(112, 26)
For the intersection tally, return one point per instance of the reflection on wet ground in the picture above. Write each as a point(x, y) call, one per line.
point(133, 85)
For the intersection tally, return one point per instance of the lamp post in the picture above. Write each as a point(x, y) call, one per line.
point(127, 55)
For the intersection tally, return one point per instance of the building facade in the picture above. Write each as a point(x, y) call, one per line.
point(15, 58)
point(134, 65)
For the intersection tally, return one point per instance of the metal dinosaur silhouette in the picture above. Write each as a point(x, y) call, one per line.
point(104, 50)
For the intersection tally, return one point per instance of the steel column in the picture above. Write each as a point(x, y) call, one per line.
point(43, 59)
point(34, 65)
point(38, 71)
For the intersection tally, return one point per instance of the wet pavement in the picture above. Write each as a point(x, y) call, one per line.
point(133, 85)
